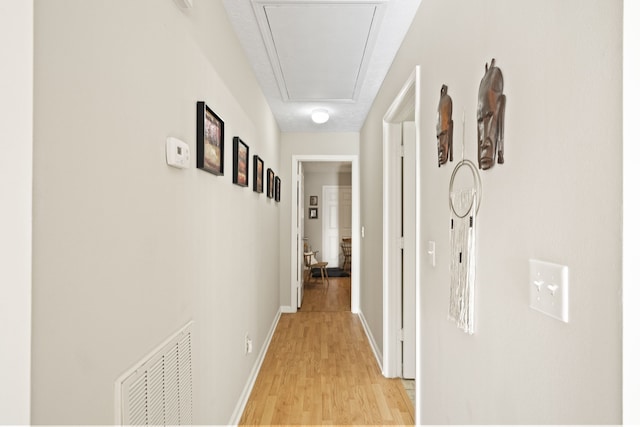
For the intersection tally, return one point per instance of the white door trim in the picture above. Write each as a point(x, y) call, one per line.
point(299, 232)
point(16, 214)
point(391, 264)
point(355, 222)
point(631, 211)
point(407, 100)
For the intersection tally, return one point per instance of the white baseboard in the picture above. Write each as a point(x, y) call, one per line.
point(246, 392)
point(288, 309)
point(372, 342)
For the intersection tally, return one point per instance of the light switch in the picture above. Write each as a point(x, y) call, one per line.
point(549, 289)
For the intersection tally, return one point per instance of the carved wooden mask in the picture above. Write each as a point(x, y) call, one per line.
point(491, 105)
point(444, 127)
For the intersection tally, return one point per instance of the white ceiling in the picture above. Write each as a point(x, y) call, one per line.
point(331, 54)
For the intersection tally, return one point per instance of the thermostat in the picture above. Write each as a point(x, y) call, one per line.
point(177, 153)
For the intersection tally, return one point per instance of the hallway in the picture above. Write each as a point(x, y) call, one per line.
point(320, 369)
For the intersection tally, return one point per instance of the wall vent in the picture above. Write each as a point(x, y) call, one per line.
point(158, 390)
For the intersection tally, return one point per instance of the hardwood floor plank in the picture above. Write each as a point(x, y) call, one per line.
point(267, 415)
point(320, 370)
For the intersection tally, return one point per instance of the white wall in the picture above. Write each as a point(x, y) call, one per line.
point(313, 183)
point(16, 146)
point(299, 144)
point(558, 197)
point(127, 249)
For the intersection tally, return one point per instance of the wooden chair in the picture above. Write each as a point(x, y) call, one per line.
point(346, 251)
point(311, 262)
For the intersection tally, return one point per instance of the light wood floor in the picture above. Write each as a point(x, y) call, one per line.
point(319, 369)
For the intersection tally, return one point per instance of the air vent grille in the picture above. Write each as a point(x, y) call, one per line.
point(158, 391)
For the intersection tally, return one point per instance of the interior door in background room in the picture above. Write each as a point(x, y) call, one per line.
point(336, 221)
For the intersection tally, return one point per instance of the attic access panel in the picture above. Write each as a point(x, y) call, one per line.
point(319, 49)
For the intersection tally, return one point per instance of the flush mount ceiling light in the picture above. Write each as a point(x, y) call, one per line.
point(319, 115)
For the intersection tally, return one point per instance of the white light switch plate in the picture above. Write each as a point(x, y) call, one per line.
point(549, 289)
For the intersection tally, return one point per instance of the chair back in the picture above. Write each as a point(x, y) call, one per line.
point(346, 248)
point(310, 259)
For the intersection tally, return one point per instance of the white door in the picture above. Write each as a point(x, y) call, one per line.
point(336, 222)
point(408, 194)
point(399, 251)
point(300, 233)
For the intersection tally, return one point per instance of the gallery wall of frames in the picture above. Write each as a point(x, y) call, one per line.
point(210, 155)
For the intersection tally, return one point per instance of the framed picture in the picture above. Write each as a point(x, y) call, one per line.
point(270, 183)
point(240, 162)
point(313, 213)
point(258, 174)
point(313, 200)
point(277, 189)
point(210, 140)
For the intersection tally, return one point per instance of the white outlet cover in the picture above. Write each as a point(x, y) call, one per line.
point(431, 251)
point(549, 289)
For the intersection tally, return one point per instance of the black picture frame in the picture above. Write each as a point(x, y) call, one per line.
point(270, 183)
point(277, 189)
point(240, 162)
point(313, 200)
point(258, 174)
point(313, 213)
point(209, 140)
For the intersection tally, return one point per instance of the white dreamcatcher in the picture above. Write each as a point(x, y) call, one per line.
point(463, 207)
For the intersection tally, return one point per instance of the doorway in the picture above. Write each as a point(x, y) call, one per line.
point(298, 210)
point(401, 231)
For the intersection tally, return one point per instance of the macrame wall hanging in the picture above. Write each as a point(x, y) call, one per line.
point(464, 201)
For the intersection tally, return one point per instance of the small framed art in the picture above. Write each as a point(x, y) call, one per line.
point(240, 162)
point(313, 200)
point(313, 213)
point(258, 174)
point(210, 140)
point(277, 189)
point(270, 183)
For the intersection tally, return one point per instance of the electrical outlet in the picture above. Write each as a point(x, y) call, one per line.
point(248, 344)
point(431, 251)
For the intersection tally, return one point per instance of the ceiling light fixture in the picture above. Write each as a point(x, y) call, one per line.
point(319, 115)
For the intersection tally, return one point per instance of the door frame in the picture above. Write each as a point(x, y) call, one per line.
point(406, 102)
point(355, 222)
point(631, 211)
point(299, 225)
